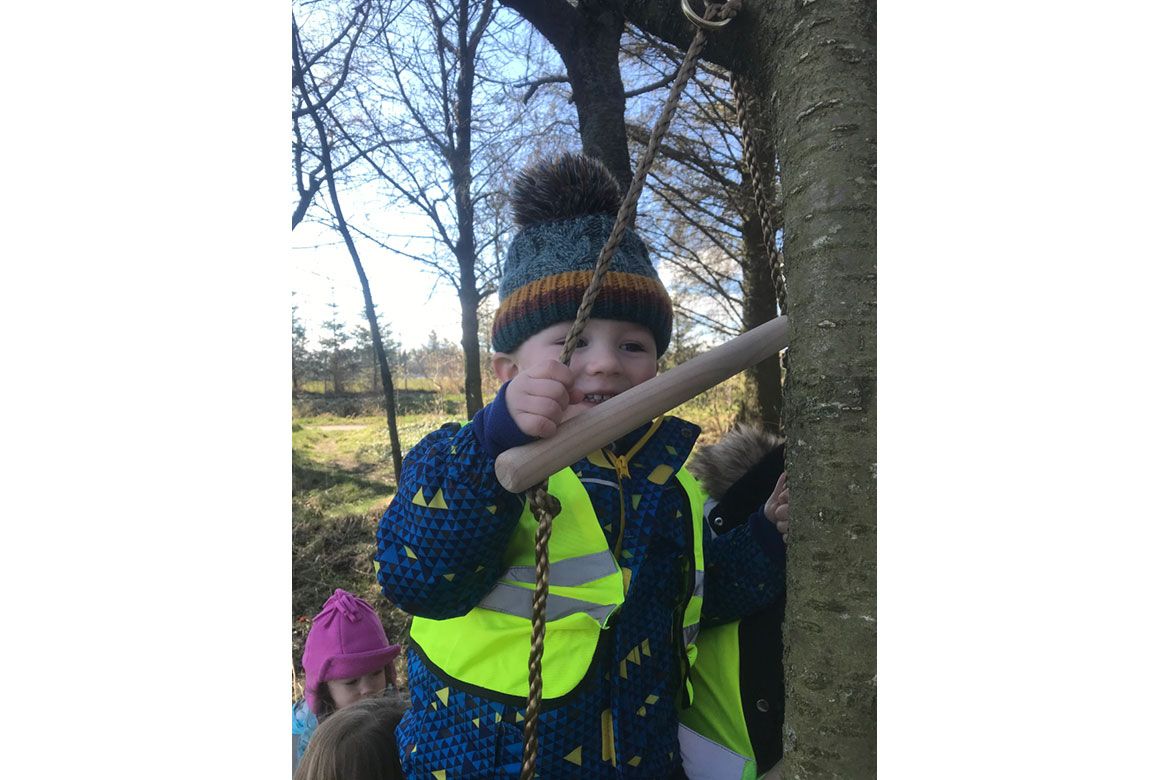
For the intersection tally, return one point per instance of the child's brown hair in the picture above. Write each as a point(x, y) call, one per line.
point(356, 743)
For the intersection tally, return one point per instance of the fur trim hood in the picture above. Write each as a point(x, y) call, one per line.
point(719, 466)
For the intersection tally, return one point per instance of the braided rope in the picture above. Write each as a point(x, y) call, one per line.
point(544, 505)
point(763, 207)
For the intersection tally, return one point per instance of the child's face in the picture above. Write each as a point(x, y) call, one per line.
point(354, 689)
point(611, 357)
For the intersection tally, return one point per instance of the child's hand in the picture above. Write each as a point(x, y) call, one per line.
point(538, 397)
point(776, 507)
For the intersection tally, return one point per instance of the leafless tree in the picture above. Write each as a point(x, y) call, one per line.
point(312, 96)
point(429, 143)
point(330, 64)
point(586, 35)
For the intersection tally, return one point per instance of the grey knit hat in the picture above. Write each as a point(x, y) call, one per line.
point(565, 209)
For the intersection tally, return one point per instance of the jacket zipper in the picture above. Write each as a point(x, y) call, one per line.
point(622, 466)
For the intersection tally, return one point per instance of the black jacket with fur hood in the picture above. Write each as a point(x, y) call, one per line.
point(739, 473)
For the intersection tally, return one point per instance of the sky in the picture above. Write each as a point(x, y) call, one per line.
point(411, 300)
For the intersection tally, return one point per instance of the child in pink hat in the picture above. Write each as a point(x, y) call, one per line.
point(347, 658)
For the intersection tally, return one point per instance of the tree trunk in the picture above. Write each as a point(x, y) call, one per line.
point(330, 179)
point(371, 316)
point(591, 61)
point(817, 60)
point(383, 368)
point(306, 200)
point(465, 249)
point(472, 381)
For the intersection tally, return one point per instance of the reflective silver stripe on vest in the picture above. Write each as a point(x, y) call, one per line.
point(605, 482)
point(692, 631)
point(514, 600)
point(568, 572)
point(705, 759)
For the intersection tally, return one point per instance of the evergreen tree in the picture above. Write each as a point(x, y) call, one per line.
point(365, 355)
point(335, 347)
point(300, 351)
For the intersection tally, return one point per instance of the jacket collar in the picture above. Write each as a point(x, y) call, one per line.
point(668, 445)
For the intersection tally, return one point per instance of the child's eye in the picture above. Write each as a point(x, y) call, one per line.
point(633, 346)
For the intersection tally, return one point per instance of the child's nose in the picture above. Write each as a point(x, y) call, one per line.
point(602, 360)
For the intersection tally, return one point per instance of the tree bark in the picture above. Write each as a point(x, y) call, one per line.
point(734, 47)
point(591, 60)
point(306, 200)
point(371, 318)
point(818, 66)
point(472, 379)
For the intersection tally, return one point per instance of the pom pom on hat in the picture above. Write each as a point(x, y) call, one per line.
point(571, 185)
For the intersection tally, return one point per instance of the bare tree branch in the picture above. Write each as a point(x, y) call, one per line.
point(641, 135)
point(536, 84)
point(707, 322)
point(662, 82)
point(360, 17)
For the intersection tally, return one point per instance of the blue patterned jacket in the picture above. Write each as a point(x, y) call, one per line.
point(621, 720)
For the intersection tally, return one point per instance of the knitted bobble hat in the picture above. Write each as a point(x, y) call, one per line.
point(346, 640)
point(565, 210)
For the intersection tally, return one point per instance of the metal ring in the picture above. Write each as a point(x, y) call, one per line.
point(699, 21)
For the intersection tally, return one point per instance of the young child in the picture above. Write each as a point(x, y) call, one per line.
point(357, 743)
point(738, 677)
point(632, 567)
point(347, 658)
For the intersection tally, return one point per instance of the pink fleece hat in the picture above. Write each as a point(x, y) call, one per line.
point(346, 640)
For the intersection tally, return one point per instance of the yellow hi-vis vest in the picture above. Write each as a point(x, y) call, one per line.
point(712, 733)
point(488, 647)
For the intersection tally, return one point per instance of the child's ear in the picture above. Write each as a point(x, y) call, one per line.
point(504, 366)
